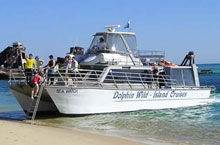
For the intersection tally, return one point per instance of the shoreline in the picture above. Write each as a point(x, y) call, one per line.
point(17, 133)
point(141, 141)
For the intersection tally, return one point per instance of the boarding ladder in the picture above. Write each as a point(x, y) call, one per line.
point(34, 104)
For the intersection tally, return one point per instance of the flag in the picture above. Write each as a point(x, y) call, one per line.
point(127, 25)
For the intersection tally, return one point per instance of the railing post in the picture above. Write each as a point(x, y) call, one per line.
point(113, 79)
point(128, 80)
point(97, 77)
point(10, 76)
point(46, 75)
point(141, 80)
point(60, 75)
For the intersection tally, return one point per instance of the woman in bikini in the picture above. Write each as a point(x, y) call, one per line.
point(35, 86)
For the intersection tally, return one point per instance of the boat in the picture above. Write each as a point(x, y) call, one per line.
point(207, 71)
point(12, 57)
point(113, 79)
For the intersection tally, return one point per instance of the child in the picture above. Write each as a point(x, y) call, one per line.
point(38, 78)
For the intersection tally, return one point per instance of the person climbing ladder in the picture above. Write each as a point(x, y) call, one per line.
point(35, 84)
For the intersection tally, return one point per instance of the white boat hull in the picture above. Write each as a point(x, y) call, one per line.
point(93, 101)
point(22, 94)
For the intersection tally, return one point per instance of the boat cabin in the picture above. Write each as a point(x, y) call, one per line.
point(119, 49)
point(112, 48)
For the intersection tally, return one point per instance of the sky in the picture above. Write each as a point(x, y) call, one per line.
point(53, 26)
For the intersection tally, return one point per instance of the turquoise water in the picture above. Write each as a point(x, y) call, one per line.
point(214, 67)
point(9, 107)
point(193, 125)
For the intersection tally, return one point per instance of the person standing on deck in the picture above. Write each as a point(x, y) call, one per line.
point(74, 69)
point(38, 64)
point(29, 66)
point(50, 66)
point(67, 67)
point(155, 72)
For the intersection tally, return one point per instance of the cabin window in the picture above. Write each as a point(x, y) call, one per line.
point(112, 42)
point(95, 41)
point(184, 76)
point(115, 43)
point(131, 41)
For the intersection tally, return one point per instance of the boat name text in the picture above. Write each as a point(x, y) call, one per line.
point(68, 91)
point(123, 95)
point(143, 95)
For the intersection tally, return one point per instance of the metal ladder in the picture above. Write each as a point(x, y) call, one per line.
point(34, 104)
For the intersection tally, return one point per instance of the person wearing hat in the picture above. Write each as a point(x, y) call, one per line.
point(70, 54)
point(74, 69)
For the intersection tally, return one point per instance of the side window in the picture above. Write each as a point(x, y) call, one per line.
point(183, 76)
point(177, 75)
point(115, 43)
point(188, 77)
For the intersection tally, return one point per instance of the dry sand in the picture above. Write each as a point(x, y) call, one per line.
point(17, 133)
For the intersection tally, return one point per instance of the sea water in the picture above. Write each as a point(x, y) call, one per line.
point(193, 125)
point(9, 107)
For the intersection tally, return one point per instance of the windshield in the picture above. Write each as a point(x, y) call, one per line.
point(132, 43)
point(98, 39)
point(114, 42)
point(117, 42)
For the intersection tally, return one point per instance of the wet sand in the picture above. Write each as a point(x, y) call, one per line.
point(19, 133)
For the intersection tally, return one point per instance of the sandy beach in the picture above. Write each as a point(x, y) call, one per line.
point(19, 133)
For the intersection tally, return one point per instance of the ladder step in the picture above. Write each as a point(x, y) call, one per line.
point(28, 117)
point(31, 109)
point(34, 104)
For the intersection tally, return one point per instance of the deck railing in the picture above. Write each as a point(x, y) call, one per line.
point(17, 75)
point(153, 56)
point(112, 78)
point(86, 78)
point(99, 78)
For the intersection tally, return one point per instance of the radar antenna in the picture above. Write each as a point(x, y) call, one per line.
point(112, 28)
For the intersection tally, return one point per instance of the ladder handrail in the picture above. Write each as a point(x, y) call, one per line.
point(36, 105)
point(38, 102)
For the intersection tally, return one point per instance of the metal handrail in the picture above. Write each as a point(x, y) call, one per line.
point(16, 75)
point(91, 78)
